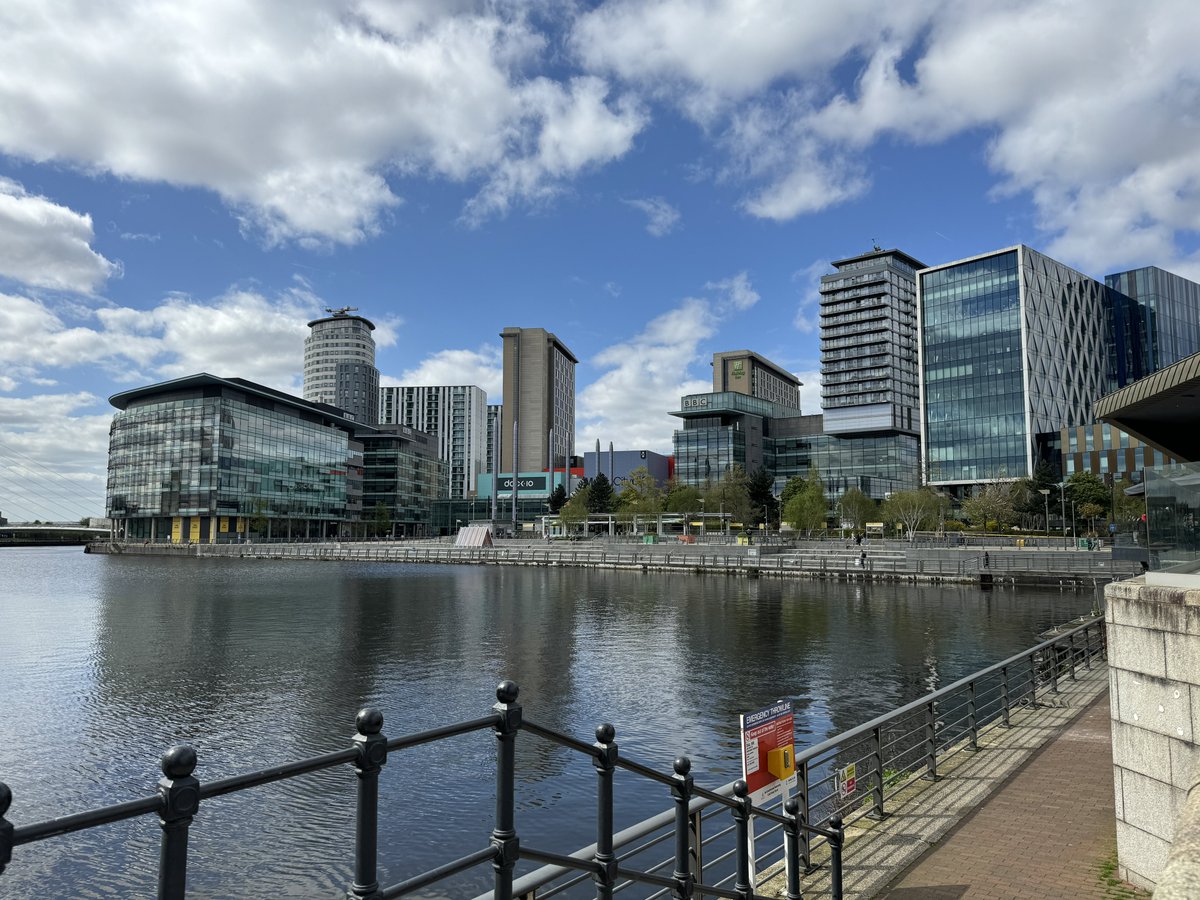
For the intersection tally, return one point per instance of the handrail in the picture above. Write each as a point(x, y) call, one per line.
point(920, 702)
point(179, 793)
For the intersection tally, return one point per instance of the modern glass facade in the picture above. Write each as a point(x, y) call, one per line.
point(724, 429)
point(1013, 345)
point(1173, 516)
point(401, 473)
point(206, 459)
point(1168, 317)
point(876, 464)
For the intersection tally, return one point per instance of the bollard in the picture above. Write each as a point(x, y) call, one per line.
point(180, 794)
point(681, 790)
point(605, 762)
point(371, 747)
point(741, 825)
point(504, 835)
point(791, 843)
point(835, 857)
point(6, 827)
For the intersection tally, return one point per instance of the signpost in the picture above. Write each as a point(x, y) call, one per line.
point(768, 757)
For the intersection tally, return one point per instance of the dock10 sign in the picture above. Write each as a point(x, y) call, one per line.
point(769, 752)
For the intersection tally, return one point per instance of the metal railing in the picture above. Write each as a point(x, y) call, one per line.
point(180, 793)
point(824, 560)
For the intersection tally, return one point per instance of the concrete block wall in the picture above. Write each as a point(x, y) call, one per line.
point(1154, 671)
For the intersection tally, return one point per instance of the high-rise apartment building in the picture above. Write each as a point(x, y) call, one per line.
point(495, 418)
point(339, 364)
point(456, 417)
point(869, 380)
point(745, 372)
point(539, 401)
point(1013, 346)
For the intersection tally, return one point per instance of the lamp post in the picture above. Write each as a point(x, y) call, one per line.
point(1074, 542)
point(703, 526)
point(1045, 492)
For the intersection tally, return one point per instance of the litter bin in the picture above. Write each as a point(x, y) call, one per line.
point(649, 538)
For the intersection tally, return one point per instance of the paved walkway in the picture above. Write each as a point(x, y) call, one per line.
point(1047, 832)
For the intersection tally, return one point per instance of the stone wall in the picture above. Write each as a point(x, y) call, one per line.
point(1154, 672)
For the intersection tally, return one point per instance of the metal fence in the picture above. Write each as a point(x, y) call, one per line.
point(608, 864)
point(712, 831)
point(811, 560)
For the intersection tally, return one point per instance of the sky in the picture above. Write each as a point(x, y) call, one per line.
point(184, 186)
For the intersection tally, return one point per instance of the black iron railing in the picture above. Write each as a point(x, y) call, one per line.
point(180, 794)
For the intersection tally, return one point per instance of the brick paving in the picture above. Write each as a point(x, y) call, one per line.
point(1047, 831)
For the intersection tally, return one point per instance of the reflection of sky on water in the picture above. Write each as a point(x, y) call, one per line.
point(108, 661)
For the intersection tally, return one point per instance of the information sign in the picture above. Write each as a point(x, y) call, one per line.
point(769, 752)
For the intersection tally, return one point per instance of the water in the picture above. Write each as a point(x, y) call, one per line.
point(107, 661)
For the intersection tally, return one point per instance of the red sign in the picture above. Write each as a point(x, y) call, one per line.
point(768, 751)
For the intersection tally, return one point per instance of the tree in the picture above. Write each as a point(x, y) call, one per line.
point(681, 498)
point(1091, 511)
point(807, 507)
point(762, 497)
point(381, 520)
point(856, 508)
point(1084, 487)
point(557, 498)
point(258, 517)
point(1034, 506)
point(731, 495)
point(600, 495)
point(913, 509)
point(575, 511)
point(991, 502)
point(1127, 513)
point(791, 488)
point(641, 494)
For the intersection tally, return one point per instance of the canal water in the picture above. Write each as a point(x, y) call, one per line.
point(107, 661)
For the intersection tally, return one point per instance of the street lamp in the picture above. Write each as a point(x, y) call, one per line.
point(1074, 542)
point(1045, 492)
point(1062, 501)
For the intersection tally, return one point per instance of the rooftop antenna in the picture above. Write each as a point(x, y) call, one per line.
point(341, 310)
point(875, 245)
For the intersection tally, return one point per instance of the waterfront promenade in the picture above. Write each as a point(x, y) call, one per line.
point(1030, 815)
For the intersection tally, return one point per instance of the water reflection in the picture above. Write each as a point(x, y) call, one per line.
point(110, 660)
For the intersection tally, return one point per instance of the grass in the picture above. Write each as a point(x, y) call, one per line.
point(1114, 887)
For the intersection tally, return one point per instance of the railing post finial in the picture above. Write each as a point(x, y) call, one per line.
point(180, 794)
point(681, 789)
point(741, 818)
point(794, 865)
point(371, 747)
point(605, 762)
point(504, 836)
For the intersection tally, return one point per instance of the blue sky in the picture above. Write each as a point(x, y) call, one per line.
point(183, 186)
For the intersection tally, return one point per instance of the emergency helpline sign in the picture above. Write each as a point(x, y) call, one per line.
point(769, 752)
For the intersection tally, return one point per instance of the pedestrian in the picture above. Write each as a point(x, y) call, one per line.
point(862, 560)
point(987, 560)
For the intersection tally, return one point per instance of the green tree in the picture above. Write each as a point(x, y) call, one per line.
point(730, 494)
point(762, 497)
point(600, 495)
point(992, 502)
point(856, 508)
point(807, 509)
point(915, 510)
point(681, 498)
point(641, 494)
point(258, 517)
point(557, 498)
point(791, 488)
point(1085, 487)
point(575, 511)
point(381, 520)
point(1091, 511)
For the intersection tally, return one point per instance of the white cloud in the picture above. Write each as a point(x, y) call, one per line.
point(53, 456)
point(807, 318)
point(810, 391)
point(662, 217)
point(645, 376)
point(483, 368)
point(46, 245)
point(303, 117)
point(240, 333)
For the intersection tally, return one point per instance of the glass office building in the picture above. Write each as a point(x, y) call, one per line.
point(1013, 346)
point(1166, 327)
point(209, 460)
point(724, 429)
